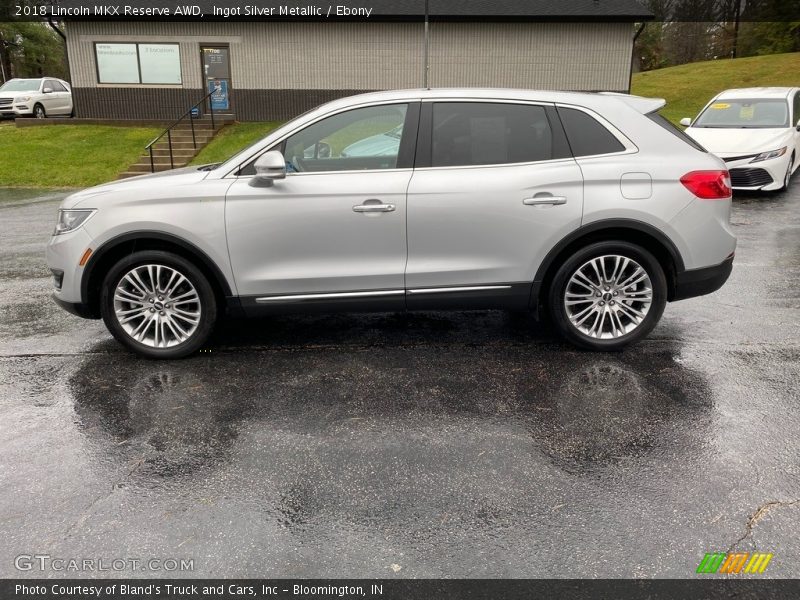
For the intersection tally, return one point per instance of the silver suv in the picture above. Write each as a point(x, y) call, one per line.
point(589, 206)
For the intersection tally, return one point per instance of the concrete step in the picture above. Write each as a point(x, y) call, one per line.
point(183, 144)
point(175, 151)
point(143, 167)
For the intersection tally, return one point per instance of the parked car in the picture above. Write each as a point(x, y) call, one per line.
point(40, 98)
point(756, 131)
point(591, 207)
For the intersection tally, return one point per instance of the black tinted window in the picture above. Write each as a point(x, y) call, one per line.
point(586, 135)
point(796, 109)
point(661, 120)
point(472, 133)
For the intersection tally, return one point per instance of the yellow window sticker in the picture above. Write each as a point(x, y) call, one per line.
point(720, 106)
point(746, 112)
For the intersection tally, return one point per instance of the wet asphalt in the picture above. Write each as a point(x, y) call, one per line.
point(470, 444)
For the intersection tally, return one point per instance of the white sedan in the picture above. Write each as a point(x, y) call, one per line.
point(42, 97)
point(756, 131)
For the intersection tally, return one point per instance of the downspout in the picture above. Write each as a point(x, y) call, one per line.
point(633, 50)
point(427, 49)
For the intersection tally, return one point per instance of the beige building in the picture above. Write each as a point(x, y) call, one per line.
point(267, 68)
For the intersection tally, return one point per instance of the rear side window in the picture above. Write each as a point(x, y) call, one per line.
point(477, 133)
point(666, 124)
point(586, 135)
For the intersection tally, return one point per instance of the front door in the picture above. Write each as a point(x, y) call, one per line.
point(217, 76)
point(496, 189)
point(335, 228)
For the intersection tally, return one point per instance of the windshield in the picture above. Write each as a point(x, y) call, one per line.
point(21, 85)
point(745, 113)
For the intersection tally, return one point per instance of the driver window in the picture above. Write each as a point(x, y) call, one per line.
point(356, 140)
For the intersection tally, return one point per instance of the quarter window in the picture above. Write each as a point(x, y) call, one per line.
point(586, 135)
point(356, 140)
point(474, 133)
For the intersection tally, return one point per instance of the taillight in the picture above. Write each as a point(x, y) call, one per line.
point(708, 185)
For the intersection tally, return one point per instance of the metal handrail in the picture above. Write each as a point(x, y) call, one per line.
point(168, 131)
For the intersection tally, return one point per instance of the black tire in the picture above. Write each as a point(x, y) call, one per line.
point(557, 302)
point(205, 294)
point(788, 177)
point(36, 109)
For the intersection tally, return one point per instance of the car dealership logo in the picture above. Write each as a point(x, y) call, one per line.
point(734, 562)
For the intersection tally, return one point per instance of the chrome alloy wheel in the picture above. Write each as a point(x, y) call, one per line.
point(157, 306)
point(608, 297)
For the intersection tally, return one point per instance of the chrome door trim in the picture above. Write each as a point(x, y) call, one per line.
point(328, 296)
point(374, 208)
point(544, 200)
point(447, 290)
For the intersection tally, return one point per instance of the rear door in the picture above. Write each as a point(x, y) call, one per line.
point(494, 189)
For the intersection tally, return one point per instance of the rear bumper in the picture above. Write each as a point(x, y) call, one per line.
point(699, 282)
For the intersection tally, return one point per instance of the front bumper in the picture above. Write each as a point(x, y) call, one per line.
point(699, 282)
point(16, 111)
point(764, 175)
point(76, 308)
point(63, 258)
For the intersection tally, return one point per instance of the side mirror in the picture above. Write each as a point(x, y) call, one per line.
point(269, 167)
point(47, 90)
point(686, 121)
point(798, 125)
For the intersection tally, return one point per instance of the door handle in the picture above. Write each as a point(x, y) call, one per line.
point(544, 200)
point(374, 208)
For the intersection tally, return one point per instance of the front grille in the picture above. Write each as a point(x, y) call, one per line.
point(6, 101)
point(749, 177)
point(734, 158)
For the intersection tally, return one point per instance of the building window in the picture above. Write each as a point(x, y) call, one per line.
point(138, 63)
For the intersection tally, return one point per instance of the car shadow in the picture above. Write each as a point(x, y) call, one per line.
point(287, 382)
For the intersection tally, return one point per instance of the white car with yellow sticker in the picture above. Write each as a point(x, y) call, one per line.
point(756, 131)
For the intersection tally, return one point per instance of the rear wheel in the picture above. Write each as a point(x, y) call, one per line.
point(608, 295)
point(158, 304)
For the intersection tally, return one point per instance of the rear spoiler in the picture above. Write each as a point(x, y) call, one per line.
point(639, 103)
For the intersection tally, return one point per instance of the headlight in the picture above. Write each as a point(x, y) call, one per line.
point(770, 154)
point(19, 99)
point(69, 220)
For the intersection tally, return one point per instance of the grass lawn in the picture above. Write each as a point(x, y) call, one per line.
point(232, 139)
point(687, 88)
point(65, 156)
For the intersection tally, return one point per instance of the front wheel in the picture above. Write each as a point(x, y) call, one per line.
point(788, 177)
point(608, 295)
point(158, 304)
point(38, 112)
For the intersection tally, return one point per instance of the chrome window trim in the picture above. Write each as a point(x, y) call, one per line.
point(501, 165)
